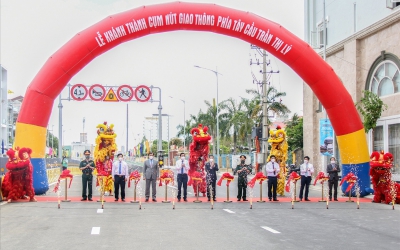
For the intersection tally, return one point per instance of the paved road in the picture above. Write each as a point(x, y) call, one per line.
point(194, 225)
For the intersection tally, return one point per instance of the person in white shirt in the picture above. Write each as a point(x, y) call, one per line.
point(306, 171)
point(120, 176)
point(272, 169)
point(182, 168)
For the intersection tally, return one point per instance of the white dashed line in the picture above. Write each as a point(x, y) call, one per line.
point(95, 230)
point(99, 211)
point(229, 211)
point(271, 230)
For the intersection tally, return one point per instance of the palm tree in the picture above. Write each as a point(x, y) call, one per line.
point(232, 118)
point(248, 117)
point(274, 102)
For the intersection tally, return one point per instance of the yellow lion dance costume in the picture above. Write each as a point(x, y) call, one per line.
point(279, 148)
point(105, 146)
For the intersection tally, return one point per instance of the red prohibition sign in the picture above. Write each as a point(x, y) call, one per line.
point(142, 93)
point(125, 93)
point(79, 92)
point(97, 92)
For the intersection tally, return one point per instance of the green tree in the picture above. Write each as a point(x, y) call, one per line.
point(154, 147)
point(294, 132)
point(176, 141)
point(371, 108)
point(52, 141)
point(232, 117)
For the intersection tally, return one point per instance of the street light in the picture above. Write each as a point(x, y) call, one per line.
point(216, 74)
point(167, 136)
point(184, 122)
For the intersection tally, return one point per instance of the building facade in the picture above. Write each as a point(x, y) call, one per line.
point(361, 44)
point(3, 110)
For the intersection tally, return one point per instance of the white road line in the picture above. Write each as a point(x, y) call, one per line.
point(271, 230)
point(229, 211)
point(99, 211)
point(95, 230)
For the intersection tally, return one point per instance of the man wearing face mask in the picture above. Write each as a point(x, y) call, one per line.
point(333, 170)
point(306, 171)
point(182, 168)
point(87, 166)
point(211, 169)
point(272, 169)
point(242, 170)
point(150, 174)
point(120, 173)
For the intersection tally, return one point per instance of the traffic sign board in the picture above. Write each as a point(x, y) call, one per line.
point(97, 92)
point(111, 96)
point(79, 92)
point(125, 93)
point(142, 93)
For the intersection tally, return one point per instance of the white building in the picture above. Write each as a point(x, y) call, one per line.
point(362, 46)
point(3, 109)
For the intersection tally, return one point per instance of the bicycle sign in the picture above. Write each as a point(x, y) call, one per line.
point(79, 92)
point(97, 92)
point(142, 93)
point(125, 93)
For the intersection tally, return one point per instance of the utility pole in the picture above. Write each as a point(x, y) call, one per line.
point(264, 150)
point(127, 129)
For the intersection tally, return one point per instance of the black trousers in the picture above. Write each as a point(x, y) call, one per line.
point(211, 188)
point(87, 180)
point(242, 186)
point(333, 183)
point(182, 180)
point(272, 185)
point(119, 181)
point(305, 182)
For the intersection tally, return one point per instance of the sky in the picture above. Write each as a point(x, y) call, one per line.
point(31, 31)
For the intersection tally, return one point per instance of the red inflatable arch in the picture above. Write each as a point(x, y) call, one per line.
point(147, 20)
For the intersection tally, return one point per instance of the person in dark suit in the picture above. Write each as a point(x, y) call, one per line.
point(211, 177)
point(333, 168)
point(150, 174)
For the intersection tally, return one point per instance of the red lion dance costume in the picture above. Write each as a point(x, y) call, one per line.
point(198, 156)
point(18, 181)
point(385, 190)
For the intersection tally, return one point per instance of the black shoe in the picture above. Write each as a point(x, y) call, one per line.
point(215, 199)
point(123, 200)
point(245, 200)
point(209, 199)
point(116, 200)
point(90, 199)
point(330, 199)
point(154, 200)
point(179, 200)
point(185, 200)
point(238, 199)
point(276, 200)
point(147, 199)
point(307, 199)
point(335, 199)
point(270, 199)
point(83, 199)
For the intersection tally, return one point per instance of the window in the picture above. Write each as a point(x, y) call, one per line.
point(385, 79)
point(391, 4)
point(321, 34)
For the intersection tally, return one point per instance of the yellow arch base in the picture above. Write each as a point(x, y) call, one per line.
point(353, 147)
point(33, 137)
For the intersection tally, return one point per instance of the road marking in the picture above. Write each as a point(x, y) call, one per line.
point(229, 211)
point(99, 211)
point(271, 230)
point(95, 230)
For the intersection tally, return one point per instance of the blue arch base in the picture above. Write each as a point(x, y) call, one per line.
point(40, 182)
point(364, 181)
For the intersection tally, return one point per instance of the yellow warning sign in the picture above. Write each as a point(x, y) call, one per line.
point(111, 96)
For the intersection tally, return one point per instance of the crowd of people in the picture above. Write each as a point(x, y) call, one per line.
point(119, 171)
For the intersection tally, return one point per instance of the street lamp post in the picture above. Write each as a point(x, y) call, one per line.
point(167, 135)
point(216, 74)
point(184, 122)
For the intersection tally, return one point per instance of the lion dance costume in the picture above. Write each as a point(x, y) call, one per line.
point(105, 146)
point(279, 148)
point(385, 190)
point(198, 156)
point(18, 181)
